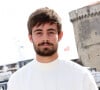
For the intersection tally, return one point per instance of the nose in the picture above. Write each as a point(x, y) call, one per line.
point(45, 37)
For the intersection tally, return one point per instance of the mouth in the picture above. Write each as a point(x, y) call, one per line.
point(45, 44)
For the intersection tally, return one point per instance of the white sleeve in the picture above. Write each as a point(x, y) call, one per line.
point(89, 82)
point(12, 85)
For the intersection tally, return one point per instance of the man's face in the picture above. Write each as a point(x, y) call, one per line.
point(45, 39)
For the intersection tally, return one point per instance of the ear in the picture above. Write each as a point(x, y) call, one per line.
point(30, 37)
point(60, 35)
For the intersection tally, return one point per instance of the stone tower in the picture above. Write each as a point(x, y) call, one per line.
point(86, 24)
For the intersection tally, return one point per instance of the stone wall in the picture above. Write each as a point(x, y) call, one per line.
point(86, 24)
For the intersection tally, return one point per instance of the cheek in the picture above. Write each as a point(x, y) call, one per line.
point(36, 41)
point(54, 39)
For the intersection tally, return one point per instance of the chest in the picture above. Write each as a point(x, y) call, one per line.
point(52, 80)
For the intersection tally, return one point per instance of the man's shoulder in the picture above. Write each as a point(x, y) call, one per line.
point(21, 72)
point(72, 66)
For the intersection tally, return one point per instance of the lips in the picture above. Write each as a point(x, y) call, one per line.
point(45, 45)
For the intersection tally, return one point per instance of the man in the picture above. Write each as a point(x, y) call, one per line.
point(47, 71)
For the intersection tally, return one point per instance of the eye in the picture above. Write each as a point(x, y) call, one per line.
point(51, 33)
point(38, 33)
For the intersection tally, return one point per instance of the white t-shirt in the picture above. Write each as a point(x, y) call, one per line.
point(56, 75)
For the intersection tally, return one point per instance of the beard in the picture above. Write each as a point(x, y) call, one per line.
point(45, 51)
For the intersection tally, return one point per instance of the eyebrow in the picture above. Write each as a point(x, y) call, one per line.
point(51, 29)
point(37, 30)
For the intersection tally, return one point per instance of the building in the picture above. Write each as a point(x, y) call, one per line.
point(86, 24)
point(7, 70)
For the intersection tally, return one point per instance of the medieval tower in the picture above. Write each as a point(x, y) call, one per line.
point(86, 24)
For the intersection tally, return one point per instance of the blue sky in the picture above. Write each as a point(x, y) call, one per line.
point(14, 43)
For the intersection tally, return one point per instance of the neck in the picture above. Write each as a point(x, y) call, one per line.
point(46, 59)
